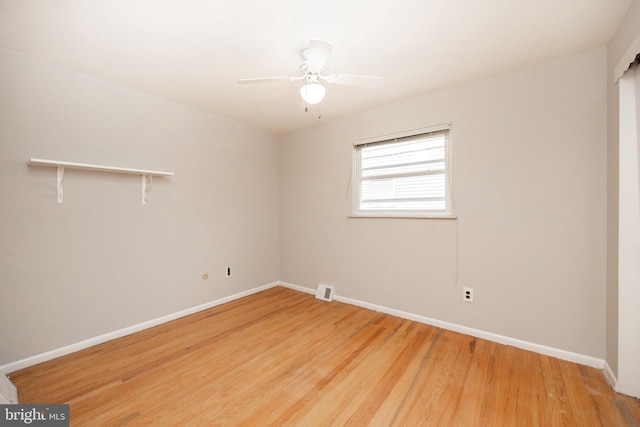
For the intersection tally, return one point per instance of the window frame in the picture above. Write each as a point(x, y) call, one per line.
point(357, 212)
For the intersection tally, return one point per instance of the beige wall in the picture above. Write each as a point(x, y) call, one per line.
point(628, 30)
point(102, 261)
point(529, 182)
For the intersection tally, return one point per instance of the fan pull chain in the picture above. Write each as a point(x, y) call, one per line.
point(306, 110)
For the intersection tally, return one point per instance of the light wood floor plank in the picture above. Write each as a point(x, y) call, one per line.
point(284, 358)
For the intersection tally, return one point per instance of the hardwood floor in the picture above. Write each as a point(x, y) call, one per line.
point(281, 357)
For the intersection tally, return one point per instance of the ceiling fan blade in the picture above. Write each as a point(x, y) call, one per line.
point(271, 79)
point(317, 54)
point(354, 80)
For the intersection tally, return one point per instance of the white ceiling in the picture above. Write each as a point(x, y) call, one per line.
point(194, 51)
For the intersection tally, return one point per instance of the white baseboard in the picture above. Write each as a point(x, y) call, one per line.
point(610, 376)
point(297, 288)
point(62, 351)
point(501, 339)
point(525, 345)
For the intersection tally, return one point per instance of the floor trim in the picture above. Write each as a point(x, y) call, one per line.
point(501, 339)
point(610, 376)
point(525, 345)
point(62, 351)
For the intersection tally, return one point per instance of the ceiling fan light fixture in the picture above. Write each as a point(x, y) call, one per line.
point(312, 93)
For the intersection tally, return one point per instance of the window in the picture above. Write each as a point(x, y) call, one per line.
point(406, 176)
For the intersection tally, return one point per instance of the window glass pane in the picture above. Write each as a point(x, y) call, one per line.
point(380, 189)
point(422, 155)
point(416, 192)
point(404, 175)
point(434, 205)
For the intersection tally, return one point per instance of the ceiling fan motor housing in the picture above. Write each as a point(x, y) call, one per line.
point(315, 57)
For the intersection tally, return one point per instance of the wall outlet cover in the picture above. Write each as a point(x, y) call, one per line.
point(467, 294)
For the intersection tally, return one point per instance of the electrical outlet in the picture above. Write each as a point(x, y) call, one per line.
point(467, 294)
point(228, 272)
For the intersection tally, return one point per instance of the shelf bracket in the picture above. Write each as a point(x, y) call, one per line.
point(147, 181)
point(60, 180)
point(146, 175)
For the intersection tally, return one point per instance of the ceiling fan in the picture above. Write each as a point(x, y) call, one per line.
point(315, 57)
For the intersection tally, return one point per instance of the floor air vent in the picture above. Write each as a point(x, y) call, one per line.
point(325, 292)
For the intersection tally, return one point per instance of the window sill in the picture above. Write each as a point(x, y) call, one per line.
point(406, 215)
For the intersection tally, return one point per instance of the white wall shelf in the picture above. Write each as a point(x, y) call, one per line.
point(145, 175)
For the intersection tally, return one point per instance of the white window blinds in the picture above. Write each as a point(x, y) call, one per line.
point(404, 175)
